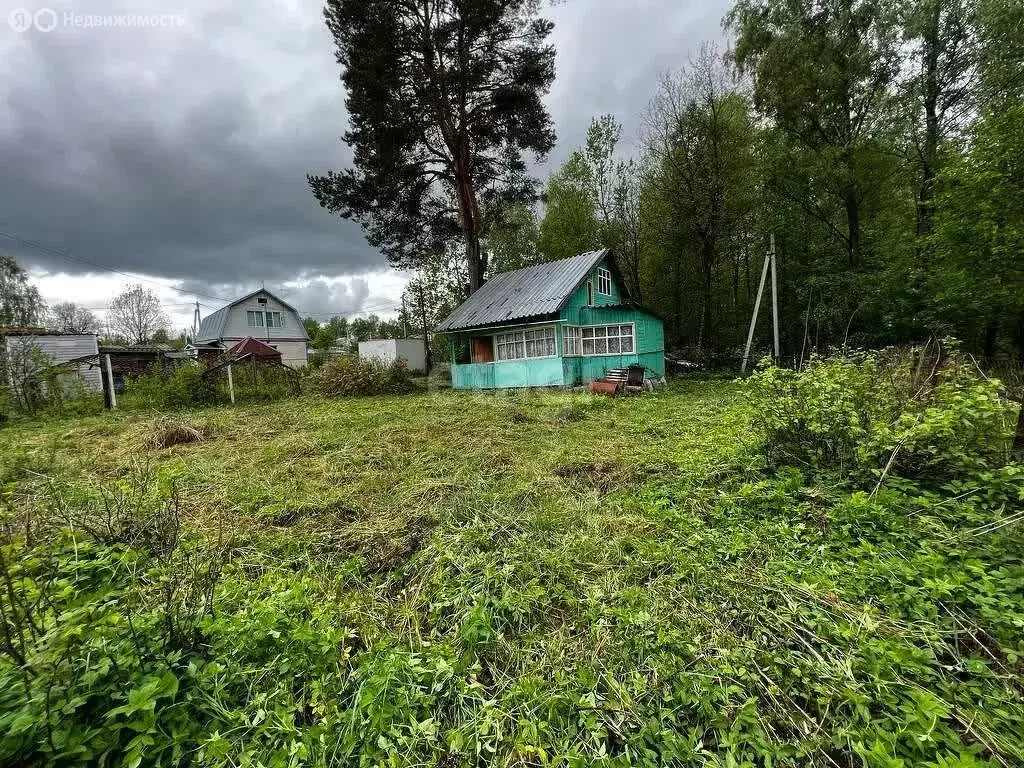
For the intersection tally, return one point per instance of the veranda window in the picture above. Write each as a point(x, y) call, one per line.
point(518, 345)
point(608, 340)
point(573, 341)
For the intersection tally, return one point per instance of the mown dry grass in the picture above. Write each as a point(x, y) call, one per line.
point(375, 467)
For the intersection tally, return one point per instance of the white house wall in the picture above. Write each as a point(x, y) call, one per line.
point(293, 353)
point(237, 326)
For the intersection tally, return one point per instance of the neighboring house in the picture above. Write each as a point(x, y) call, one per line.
point(562, 323)
point(260, 315)
point(410, 351)
point(24, 350)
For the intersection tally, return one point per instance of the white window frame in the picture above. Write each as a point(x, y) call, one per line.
point(252, 316)
point(572, 341)
point(604, 281)
point(604, 328)
point(517, 337)
point(274, 315)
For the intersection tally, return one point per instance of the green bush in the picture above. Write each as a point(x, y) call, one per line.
point(347, 375)
point(881, 410)
point(177, 388)
point(258, 382)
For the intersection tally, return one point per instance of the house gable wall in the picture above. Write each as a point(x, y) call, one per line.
point(572, 311)
point(237, 327)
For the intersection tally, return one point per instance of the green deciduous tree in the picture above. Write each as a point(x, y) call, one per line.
point(700, 140)
point(20, 302)
point(570, 224)
point(821, 74)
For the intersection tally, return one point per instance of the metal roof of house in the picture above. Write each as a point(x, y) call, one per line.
point(523, 293)
point(250, 345)
point(212, 326)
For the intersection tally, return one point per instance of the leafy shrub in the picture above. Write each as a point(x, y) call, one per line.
point(258, 382)
point(881, 410)
point(181, 387)
point(104, 617)
point(348, 375)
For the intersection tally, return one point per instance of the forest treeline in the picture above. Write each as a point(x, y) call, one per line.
point(881, 143)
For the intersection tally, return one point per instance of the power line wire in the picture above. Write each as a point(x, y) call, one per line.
point(66, 255)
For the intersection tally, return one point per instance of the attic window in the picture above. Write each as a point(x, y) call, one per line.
point(254, 319)
point(274, 320)
point(604, 282)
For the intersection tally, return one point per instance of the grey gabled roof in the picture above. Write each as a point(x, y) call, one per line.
point(523, 293)
point(212, 326)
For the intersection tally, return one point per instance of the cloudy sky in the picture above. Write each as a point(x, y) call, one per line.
point(177, 154)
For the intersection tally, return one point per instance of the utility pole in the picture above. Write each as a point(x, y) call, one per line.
point(769, 263)
point(195, 322)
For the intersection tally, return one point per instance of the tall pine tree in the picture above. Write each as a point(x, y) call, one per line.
point(444, 100)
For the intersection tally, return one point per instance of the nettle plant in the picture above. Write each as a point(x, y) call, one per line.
point(899, 412)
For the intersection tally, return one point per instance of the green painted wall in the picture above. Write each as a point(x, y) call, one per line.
point(538, 372)
point(558, 371)
point(578, 301)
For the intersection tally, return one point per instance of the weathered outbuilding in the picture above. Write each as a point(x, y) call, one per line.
point(562, 323)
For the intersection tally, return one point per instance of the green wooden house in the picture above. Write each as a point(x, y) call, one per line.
point(562, 323)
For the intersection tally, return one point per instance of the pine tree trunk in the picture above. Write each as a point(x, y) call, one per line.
point(474, 261)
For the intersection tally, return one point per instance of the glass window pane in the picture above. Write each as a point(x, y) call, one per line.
point(588, 346)
point(625, 330)
point(601, 331)
point(588, 333)
point(627, 344)
point(520, 352)
point(613, 345)
point(601, 346)
point(531, 348)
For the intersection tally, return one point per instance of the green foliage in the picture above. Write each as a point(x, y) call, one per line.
point(348, 375)
point(20, 302)
point(896, 411)
point(183, 386)
point(520, 579)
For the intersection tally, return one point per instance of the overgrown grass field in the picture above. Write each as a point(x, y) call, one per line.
point(454, 579)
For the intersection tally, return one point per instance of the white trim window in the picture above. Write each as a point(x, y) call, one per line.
point(572, 341)
point(604, 282)
point(254, 319)
point(520, 345)
point(608, 340)
point(274, 320)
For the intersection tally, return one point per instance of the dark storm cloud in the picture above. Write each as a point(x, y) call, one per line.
point(181, 151)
